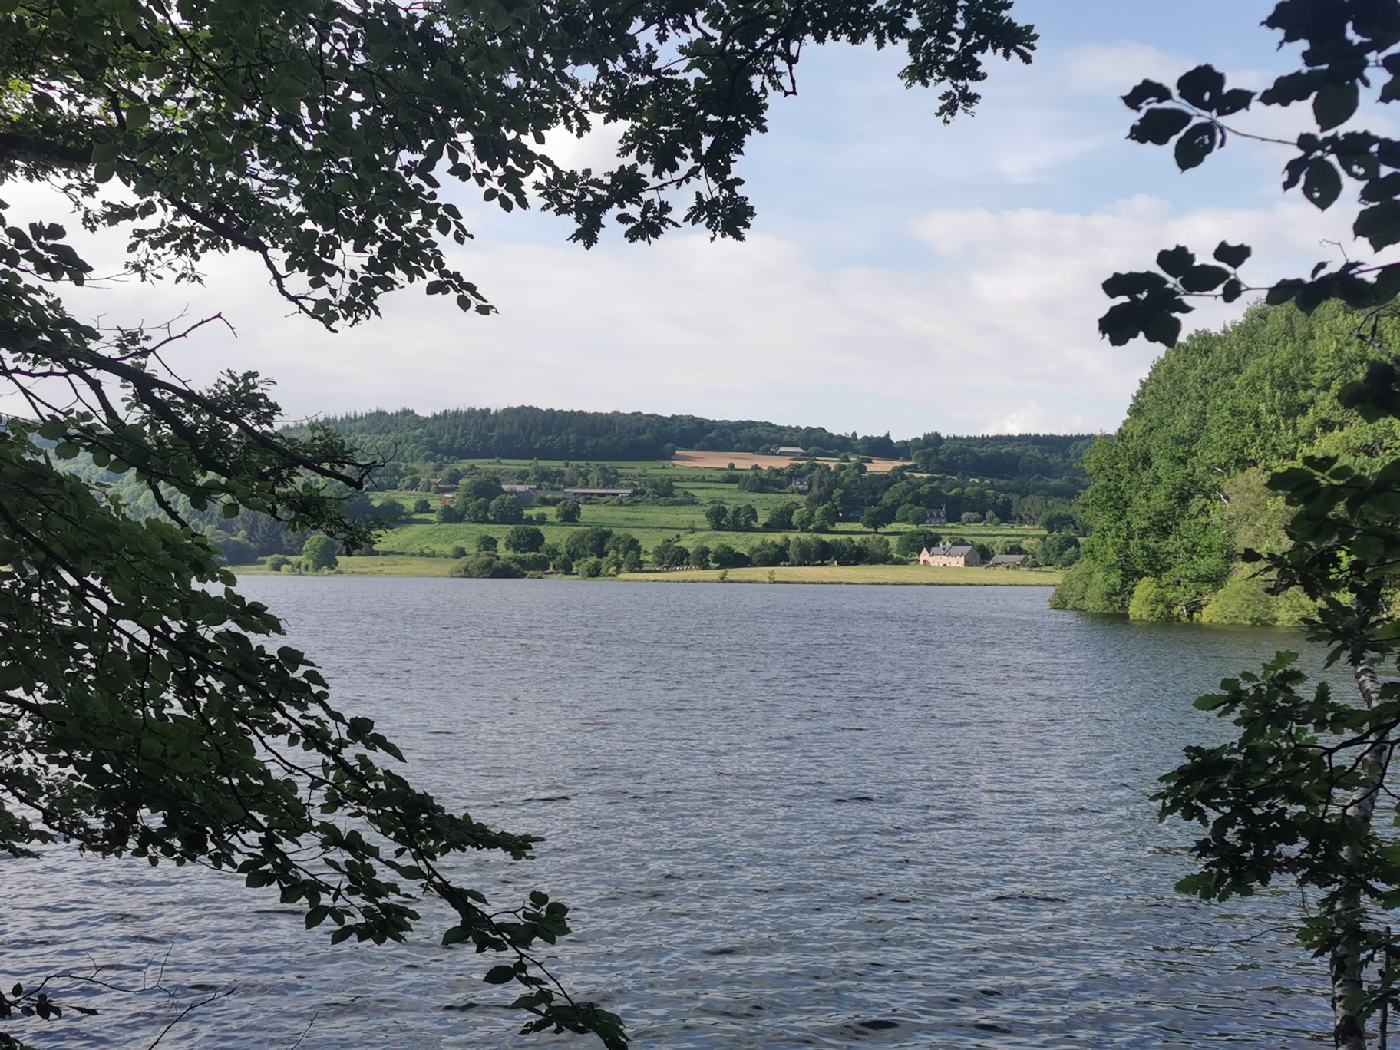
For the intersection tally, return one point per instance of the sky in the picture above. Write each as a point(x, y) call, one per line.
point(902, 275)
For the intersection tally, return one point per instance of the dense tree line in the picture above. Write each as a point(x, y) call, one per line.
point(525, 432)
point(1179, 492)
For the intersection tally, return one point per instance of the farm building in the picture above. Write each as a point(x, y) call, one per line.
point(792, 450)
point(524, 494)
point(950, 554)
point(596, 493)
point(1007, 561)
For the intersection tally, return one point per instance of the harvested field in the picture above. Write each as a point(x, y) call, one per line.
point(745, 460)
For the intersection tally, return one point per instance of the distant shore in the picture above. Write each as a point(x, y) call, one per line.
point(898, 575)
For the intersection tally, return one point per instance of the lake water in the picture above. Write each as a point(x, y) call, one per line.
point(784, 816)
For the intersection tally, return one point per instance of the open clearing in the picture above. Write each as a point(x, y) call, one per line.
point(912, 575)
point(745, 460)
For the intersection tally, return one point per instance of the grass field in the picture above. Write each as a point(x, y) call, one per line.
point(915, 575)
point(911, 575)
point(703, 475)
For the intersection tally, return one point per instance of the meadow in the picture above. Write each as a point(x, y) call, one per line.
point(421, 535)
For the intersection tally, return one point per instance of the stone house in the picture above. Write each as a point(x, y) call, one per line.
point(1007, 561)
point(958, 555)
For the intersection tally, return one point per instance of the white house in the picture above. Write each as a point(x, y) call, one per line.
point(950, 554)
point(792, 450)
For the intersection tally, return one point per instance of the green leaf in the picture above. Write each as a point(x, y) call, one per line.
point(1379, 224)
point(1147, 91)
point(454, 935)
point(1232, 255)
point(1322, 183)
point(1195, 145)
point(1335, 103)
point(1204, 278)
point(1176, 261)
point(1200, 87)
point(1159, 125)
point(499, 975)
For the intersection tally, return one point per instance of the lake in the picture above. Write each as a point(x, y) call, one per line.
point(784, 816)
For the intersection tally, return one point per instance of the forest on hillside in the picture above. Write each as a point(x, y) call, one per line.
point(1180, 492)
point(525, 432)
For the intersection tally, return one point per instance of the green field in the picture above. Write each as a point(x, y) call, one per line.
point(398, 565)
point(420, 534)
point(912, 575)
point(381, 565)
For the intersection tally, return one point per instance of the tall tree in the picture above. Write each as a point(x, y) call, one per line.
point(1295, 795)
point(315, 136)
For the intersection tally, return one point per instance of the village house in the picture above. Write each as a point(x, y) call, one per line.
point(1007, 561)
point(958, 555)
point(524, 494)
point(937, 516)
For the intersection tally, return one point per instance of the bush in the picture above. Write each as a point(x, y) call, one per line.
point(587, 543)
point(1245, 599)
point(487, 567)
point(421, 506)
point(1151, 601)
point(725, 556)
point(768, 552)
point(591, 568)
point(876, 550)
point(278, 562)
point(524, 539)
point(319, 553)
point(484, 544)
point(505, 510)
point(911, 544)
point(1085, 590)
point(459, 552)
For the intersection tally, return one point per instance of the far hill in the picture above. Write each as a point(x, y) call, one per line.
point(526, 432)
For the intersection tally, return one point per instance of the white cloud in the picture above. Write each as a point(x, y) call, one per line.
point(1114, 68)
point(993, 330)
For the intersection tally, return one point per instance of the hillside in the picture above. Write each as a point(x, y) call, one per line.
point(525, 432)
point(1179, 491)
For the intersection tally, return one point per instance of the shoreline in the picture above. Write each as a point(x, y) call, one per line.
point(850, 575)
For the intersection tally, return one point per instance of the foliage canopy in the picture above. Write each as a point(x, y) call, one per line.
point(142, 709)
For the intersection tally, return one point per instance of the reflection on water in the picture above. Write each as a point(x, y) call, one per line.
point(785, 816)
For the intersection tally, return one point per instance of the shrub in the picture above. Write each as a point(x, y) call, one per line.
point(487, 567)
point(725, 556)
point(278, 562)
point(1085, 590)
point(1150, 601)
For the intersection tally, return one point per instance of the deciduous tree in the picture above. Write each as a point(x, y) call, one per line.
point(316, 138)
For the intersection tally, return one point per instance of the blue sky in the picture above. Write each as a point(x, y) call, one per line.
point(902, 275)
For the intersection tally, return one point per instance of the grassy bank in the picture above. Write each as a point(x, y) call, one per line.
point(914, 575)
point(403, 565)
